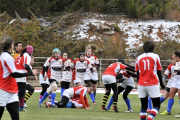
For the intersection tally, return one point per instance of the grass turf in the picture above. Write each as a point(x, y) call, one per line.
point(35, 113)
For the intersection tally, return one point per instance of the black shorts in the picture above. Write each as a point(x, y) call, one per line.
point(65, 84)
point(52, 80)
point(167, 89)
point(91, 81)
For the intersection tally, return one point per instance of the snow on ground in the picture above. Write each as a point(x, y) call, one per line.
point(133, 30)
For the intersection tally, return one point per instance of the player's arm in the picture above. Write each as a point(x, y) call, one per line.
point(90, 66)
point(160, 79)
point(86, 101)
point(137, 76)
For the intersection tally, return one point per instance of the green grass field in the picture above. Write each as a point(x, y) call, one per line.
point(35, 113)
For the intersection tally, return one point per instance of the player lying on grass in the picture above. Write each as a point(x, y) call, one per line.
point(75, 93)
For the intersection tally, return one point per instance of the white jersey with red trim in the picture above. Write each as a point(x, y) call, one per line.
point(7, 66)
point(114, 68)
point(55, 68)
point(177, 68)
point(75, 92)
point(169, 71)
point(20, 65)
point(93, 60)
point(67, 75)
point(147, 64)
point(80, 68)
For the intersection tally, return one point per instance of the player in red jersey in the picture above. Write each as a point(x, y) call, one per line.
point(54, 67)
point(81, 66)
point(79, 92)
point(23, 65)
point(67, 73)
point(94, 77)
point(109, 80)
point(8, 85)
point(148, 67)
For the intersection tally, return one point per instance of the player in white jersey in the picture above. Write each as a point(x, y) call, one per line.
point(23, 65)
point(74, 92)
point(67, 73)
point(81, 66)
point(94, 77)
point(8, 85)
point(54, 67)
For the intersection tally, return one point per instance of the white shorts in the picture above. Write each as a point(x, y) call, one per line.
point(94, 76)
point(6, 98)
point(151, 91)
point(169, 84)
point(175, 84)
point(69, 93)
point(108, 79)
point(42, 81)
point(79, 77)
point(129, 82)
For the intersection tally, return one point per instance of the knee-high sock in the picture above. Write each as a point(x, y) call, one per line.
point(53, 96)
point(21, 103)
point(162, 99)
point(92, 97)
point(40, 97)
point(62, 90)
point(153, 113)
point(143, 114)
point(105, 98)
point(110, 103)
point(170, 104)
point(44, 97)
point(128, 103)
point(27, 96)
point(149, 103)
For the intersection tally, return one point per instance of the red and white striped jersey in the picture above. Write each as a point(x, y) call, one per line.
point(169, 71)
point(68, 62)
point(77, 64)
point(52, 62)
point(114, 68)
point(21, 61)
point(79, 91)
point(7, 66)
point(93, 60)
point(147, 64)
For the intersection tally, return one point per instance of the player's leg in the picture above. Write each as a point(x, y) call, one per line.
point(44, 89)
point(1, 111)
point(163, 98)
point(106, 95)
point(21, 94)
point(115, 96)
point(95, 87)
point(63, 85)
point(144, 105)
point(53, 93)
point(29, 93)
point(13, 109)
point(172, 93)
point(120, 89)
point(126, 99)
point(178, 116)
point(155, 109)
point(149, 105)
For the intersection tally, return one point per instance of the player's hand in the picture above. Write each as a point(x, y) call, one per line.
point(36, 78)
point(94, 103)
point(67, 72)
point(94, 69)
point(174, 74)
point(162, 86)
point(35, 71)
point(90, 74)
point(89, 108)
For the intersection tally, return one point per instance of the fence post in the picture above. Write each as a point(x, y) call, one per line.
point(100, 77)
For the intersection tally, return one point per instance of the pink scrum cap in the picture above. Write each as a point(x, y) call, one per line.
point(29, 49)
